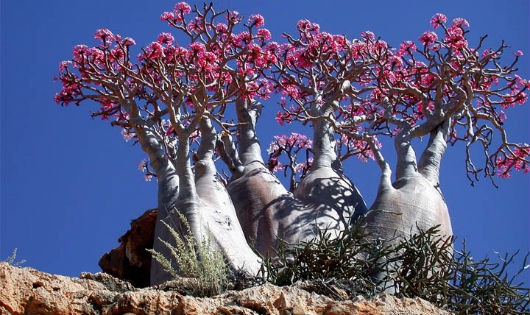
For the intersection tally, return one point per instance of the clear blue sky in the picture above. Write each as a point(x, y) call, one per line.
point(69, 183)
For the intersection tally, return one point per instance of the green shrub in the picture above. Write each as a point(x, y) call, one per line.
point(204, 266)
point(351, 256)
point(424, 265)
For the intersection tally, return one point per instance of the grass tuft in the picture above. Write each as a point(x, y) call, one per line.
point(203, 266)
point(12, 259)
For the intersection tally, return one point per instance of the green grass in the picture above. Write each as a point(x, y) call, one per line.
point(193, 259)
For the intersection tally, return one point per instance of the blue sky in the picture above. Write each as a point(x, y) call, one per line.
point(69, 183)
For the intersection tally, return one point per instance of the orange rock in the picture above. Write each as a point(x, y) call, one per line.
point(28, 291)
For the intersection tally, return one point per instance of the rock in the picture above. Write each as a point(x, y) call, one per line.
point(130, 261)
point(28, 291)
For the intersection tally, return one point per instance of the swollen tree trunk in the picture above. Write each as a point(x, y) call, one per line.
point(414, 200)
point(168, 191)
point(218, 214)
point(167, 179)
point(268, 212)
point(332, 201)
point(262, 203)
point(206, 205)
point(186, 202)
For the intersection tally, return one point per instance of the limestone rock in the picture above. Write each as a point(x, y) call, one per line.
point(28, 291)
point(130, 261)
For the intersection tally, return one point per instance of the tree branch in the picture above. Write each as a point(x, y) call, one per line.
point(248, 112)
point(431, 158)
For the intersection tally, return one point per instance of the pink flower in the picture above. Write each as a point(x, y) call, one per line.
point(233, 17)
point(103, 34)
point(302, 141)
point(59, 98)
point(437, 20)
point(165, 38)
point(428, 38)
point(455, 37)
point(460, 22)
point(264, 34)
point(148, 177)
point(242, 38)
point(167, 16)
point(282, 118)
point(207, 61)
point(502, 116)
point(127, 135)
point(80, 53)
point(117, 53)
point(127, 41)
point(221, 27)
point(306, 26)
point(153, 51)
point(395, 61)
point(142, 165)
point(272, 48)
point(518, 53)
point(514, 161)
point(407, 47)
point(182, 7)
point(197, 47)
point(64, 65)
point(368, 35)
point(256, 20)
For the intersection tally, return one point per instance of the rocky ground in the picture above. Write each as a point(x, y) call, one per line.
point(29, 291)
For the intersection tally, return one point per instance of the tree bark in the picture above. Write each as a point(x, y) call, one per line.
point(168, 192)
point(218, 214)
point(261, 202)
point(414, 201)
point(332, 200)
point(186, 202)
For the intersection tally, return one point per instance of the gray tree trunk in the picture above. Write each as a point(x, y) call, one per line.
point(168, 191)
point(265, 208)
point(218, 214)
point(261, 202)
point(414, 200)
point(332, 201)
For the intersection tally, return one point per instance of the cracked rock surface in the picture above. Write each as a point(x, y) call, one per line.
point(29, 291)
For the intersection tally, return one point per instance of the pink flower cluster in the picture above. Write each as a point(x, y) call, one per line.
point(284, 142)
point(437, 20)
point(104, 35)
point(256, 20)
point(454, 37)
point(358, 147)
point(290, 145)
point(517, 161)
point(177, 15)
point(365, 85)
point(428, 38)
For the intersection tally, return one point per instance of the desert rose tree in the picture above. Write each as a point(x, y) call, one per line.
point(171, 98)
point(444, 89)
point(324, 198)
point(189, 104)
